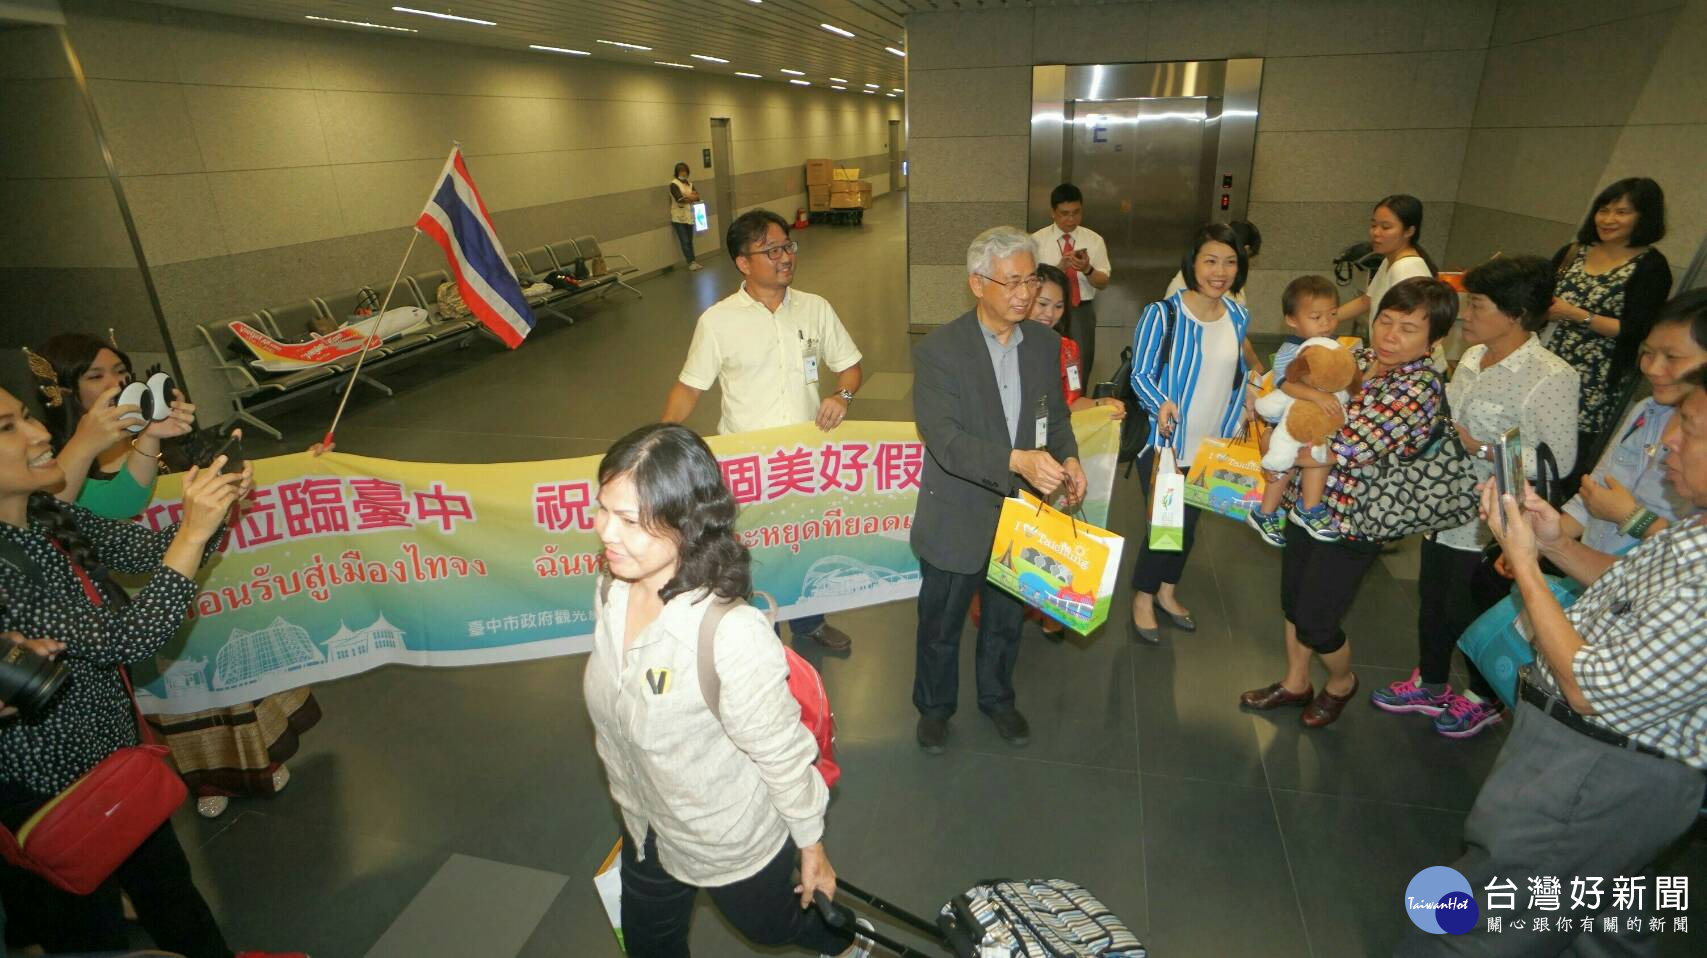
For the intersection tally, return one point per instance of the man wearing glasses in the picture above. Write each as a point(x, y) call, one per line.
point(763, 345)
point(987, 398)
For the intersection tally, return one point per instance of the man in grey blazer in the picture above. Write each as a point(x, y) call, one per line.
point(988, 400)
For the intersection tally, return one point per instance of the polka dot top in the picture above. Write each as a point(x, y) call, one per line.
point(91, 717)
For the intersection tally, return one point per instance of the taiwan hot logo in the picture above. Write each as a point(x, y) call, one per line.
point(1439, 902)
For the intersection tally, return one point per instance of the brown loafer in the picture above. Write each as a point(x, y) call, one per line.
point(832, 638)
point(1274, 696)
point(1327, 707)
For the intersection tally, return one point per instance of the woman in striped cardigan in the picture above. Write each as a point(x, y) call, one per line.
point(1189, 373)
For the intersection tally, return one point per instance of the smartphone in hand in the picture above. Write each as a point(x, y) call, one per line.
point(1508, 468)
point(232, 449)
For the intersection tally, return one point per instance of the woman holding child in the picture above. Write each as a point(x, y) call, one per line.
point(1391, 412)
point(1189, 373)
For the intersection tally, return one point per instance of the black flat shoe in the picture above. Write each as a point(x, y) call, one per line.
point(1138, 633)
point(1184, 623)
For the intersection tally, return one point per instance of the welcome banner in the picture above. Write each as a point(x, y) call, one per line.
point(342, 563)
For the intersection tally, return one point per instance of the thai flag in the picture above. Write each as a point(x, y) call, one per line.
point(457, 220)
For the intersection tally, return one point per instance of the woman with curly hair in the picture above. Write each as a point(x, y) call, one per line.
point(726, 800)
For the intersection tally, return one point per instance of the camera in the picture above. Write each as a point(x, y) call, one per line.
point(28, 681)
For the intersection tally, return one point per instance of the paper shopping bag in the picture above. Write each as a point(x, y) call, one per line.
point(1167, 505)
point(1060, 566)
point(1226, 476)
point(607, 881)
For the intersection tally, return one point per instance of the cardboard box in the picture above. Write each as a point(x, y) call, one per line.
point(864, 187)
point(843, 186)
point(817, 198)
point(849, 201)
point(818, 172)
point(845, 173)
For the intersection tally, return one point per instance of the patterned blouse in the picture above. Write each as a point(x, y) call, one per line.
point(91, 717)
point(1391, 413)
point(1588, 351)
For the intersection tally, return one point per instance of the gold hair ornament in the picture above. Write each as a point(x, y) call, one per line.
point(52, 392)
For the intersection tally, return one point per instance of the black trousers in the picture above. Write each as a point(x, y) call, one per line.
point(1453, 588)
point(156, 876)
point(1318, 581)
point(684, 238)
point(1151, 569)
point(1084, 335)
point(657, 908)
point(944, 598)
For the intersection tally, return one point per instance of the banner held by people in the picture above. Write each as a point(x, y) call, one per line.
point(341, 563)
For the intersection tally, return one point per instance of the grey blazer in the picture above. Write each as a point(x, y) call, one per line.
point(958, 409)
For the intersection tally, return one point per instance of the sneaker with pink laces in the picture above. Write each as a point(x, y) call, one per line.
point(1409, 696)
point(1464, 717)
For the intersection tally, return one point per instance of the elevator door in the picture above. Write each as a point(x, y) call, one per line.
point(1140, 165)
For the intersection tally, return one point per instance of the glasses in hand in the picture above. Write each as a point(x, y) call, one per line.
point(775, 252)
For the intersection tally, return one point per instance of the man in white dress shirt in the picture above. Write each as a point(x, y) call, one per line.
point(1083, 256)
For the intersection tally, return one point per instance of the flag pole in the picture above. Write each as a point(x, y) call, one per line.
point(367, 341)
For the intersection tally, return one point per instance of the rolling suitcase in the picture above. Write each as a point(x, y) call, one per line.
point(1037, 918)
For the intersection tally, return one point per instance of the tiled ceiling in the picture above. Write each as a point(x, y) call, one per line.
point(764, 38)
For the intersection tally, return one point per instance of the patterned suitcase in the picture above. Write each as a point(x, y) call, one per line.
point(1038, 918)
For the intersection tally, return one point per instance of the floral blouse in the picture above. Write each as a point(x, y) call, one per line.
point(1393, 412)
point(1588, 351)
point(91, 717)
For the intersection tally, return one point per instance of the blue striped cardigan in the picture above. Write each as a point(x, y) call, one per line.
point(1156, 384)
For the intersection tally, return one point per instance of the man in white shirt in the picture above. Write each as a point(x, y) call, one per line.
point(763, 345)
point(1082, 255)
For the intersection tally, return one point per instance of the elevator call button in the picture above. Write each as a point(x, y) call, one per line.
point(1226, 181)
point(1226, 201)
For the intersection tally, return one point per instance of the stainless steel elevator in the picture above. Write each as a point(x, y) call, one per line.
point(1158, 150)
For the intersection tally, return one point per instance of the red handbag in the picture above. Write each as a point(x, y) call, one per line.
point(79, 838)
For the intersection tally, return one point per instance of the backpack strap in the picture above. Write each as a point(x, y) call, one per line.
point(710, 685)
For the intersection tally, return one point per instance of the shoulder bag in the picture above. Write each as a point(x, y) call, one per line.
point(1432, 489)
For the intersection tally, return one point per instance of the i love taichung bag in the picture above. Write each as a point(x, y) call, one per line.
point(1167, 504)
point(1226, 474)
point(81, 836)
point(1054, 563)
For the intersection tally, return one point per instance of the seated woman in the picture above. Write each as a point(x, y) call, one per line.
point(240, 750)
point(727, 800)
point(59, 587)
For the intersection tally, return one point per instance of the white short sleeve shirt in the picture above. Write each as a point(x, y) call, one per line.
point(1046, 245)
point(764, 361)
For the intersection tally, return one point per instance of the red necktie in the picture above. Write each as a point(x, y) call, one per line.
point(1072, 274)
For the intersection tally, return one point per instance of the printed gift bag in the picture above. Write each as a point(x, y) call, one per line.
point(1167, 505)
point(1064, 568)
point(607, 881)
point(1226, 477)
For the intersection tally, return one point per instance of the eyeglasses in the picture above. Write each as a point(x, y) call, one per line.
point(1029, 284)
point(775, 252)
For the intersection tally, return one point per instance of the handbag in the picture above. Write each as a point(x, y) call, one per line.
point(1427, 491)
point(83, 834)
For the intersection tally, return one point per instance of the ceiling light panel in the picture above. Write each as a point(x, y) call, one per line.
point(446, 16)
point(361, 23)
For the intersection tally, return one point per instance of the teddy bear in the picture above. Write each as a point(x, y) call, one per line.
point(1321, 364)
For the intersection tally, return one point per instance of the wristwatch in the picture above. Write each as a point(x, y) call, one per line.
point(847, 396)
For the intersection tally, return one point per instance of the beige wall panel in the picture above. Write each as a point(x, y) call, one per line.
point(121, 41)
point(1571, 79)
point(383, 127)
point(44, 131)
point(214, 50)
point(1329, 27)
point(938, 233)
point(941, 41)
point(264, 209)
point(969, 169)
point(1262, 294)
point(1307, 236)
point(175, 217)
point(343, 60)
point(1520, 20)
point(43, 301)
point(1547, 173)
point(937, 294)
point(377, 196)
point(936, 101)
point(62, 222)
point(1479, 232)
point(1676, 88)
point(32, 53)
point(1341, 167)
point(1110, 33)
point(1212, 30)
point(243, 128)
point(1673, 156)
point(1459, 24)
point(488, 125)
point(517, 180)
point(1395, 91)
point(148, 127)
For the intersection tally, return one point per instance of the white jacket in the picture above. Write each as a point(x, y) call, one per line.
point(721, 795)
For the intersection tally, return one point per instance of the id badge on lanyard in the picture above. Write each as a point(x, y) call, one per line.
point(1042, 422)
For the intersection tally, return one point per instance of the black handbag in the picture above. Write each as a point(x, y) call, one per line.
point(1430, 490)
point(1135, 428)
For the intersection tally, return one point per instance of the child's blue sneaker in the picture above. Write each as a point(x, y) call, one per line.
point(1270, 525)
point(1318, 522)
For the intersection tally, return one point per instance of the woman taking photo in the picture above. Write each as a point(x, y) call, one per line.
point(1392, 413)
point(1611, 283)
point(221, 753)
point(1395, 232)
point(682, 198)
point(58, 587)
point(723, 801)
point(1505, 380)
point(1189, 373)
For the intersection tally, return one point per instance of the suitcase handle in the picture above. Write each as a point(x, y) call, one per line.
point(841, 917)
